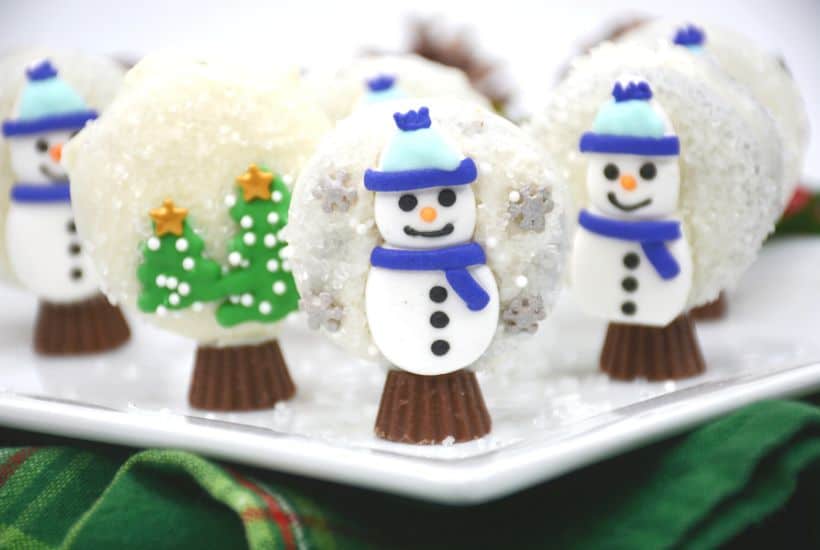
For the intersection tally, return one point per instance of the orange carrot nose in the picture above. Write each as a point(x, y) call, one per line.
point(628, 182)
point(428, 214)
point(56, 152)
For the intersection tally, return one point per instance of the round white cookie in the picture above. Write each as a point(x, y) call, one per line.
point(731, 173)
point(761, 72)
point(514, 210)
point(94, 77)
point(184, 129)
point(340, 90)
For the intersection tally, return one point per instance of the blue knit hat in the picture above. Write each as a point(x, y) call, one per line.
point(47, 103)
point(382, 88)
point(630, 124)
point(418, 157)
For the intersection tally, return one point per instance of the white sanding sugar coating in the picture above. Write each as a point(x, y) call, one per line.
point(184, 129)
point(761, 72)
point(339, 91)
point(331, 250)
point(730, 153)
point(94, 77)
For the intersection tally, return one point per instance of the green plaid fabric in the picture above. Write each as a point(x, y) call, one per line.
point(750, 478)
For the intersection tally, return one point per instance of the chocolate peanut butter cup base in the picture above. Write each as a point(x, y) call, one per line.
point(426, 410)
point(667, 353)
point(240, 378)
point(712, 311)
point(76, 328)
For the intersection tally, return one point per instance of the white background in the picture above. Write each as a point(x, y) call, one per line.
point(534, 39)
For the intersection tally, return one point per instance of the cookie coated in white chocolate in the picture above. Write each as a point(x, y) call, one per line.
point(731, 170)
point(185, 128)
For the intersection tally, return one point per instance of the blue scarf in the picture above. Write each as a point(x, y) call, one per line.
point(651, 234)
point(41, 193)
point(452, 260)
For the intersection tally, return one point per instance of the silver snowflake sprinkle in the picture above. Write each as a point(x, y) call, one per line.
point(529, 207)
point(523, 313)
point(322, 311)
point(334, 192)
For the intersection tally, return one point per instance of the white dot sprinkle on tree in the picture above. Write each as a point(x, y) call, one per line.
point(188, 264)
point(265, 308)
point(153, 243)
point(182, 244)
point(279, 288)
point(270, 240)
point(246, 222)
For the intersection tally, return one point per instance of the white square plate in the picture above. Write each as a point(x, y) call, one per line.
point(552, 412)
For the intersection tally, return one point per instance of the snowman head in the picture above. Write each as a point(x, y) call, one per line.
point(47, 114)
point(633, 170)
point(423, 197)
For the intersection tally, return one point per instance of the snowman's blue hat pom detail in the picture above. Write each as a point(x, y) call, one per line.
point(381, 82)
point(418, 157)
point(689, 36)
point(633, 91)
point(413, 120)
point(41, 70)
point(47, 104)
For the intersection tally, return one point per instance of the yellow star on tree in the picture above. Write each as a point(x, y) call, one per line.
point(255, 183)
point(168, 218)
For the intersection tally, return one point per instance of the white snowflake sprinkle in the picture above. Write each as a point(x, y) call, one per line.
point(273, 218)
point(272, 266)
point(182, 244)
point(265, 308)
point(246, 300)
point(270, 240)
point(188, 264)
point(184, 289)
point(246, 222)
point(279, 288)
point(234, 258)
point(249, 239)
point(153, 243)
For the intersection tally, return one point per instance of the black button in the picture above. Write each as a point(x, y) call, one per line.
point(76, 273)
point(438, 294)
point(71, 227)
point(631, 260)
point(439, 319)
point(440, 347)
point(74, 249)
point(628, 308)
point(630, 284)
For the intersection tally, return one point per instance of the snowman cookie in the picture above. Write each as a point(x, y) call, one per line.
point(197, 159)
point(377, 78)
point(668, 214)
point(440, 244)
point(94, 78)
point(45, 253)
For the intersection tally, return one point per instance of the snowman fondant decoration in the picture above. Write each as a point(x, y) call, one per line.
point(44, 249)
point(631, 260)
point(431, 301)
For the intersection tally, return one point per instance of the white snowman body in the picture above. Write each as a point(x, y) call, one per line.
point(41, 238)
point(416, 318)
point(613, 278)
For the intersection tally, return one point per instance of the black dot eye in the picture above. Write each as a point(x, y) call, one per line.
point(408, 202)
point(648, 171)
point(447, 197)
point(41, 145)
point(611, 172)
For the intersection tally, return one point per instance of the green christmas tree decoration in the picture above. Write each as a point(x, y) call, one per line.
point(174, 273)
point(259, 284)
